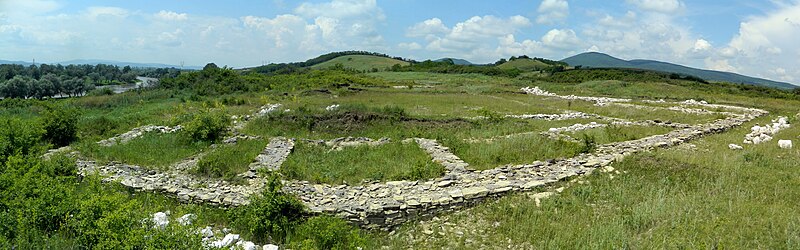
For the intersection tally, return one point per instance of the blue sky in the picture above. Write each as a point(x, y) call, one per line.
point(750, 37)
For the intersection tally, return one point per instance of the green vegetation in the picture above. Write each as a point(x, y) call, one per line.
point(226, 161)
point(361, 63)
point(674, 198)
point(682, 197)
point(151, 150)
point(524, 65)
point(515, 150)
point(391, 161)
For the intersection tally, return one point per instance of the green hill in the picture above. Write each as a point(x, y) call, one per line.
point(360, 62)
point(600, 60)
point(456, 61)
point(524, 64)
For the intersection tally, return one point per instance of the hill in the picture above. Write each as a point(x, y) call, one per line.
point(361, 62)
point(524, 64)
point(107, 62)
point(456, 61)
point(600, 60)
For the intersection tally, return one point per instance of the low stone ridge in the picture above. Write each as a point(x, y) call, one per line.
point(273, 155)
point(386, 205)
point(343, 142)
point(554, 117)
point(598, 101)
point(137, 132)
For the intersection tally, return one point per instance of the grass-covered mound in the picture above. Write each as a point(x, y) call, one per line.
point(361, 63)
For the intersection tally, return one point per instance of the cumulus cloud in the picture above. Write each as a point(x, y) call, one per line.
point(663, 6)
point(433, 26)
point(770, 39)
point(561, 39)
point(552, 11)
point(171, 16)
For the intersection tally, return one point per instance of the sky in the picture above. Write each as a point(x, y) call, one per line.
point(755, 37)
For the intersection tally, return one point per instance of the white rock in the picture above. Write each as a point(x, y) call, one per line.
point(229, 240)
point(757, 140)
point(247, 245)
point(332, 107)
point(270, 247)
point(160, 220)
point(735, 147)
point(785, 144)
point(207, 232)
point(187, 219)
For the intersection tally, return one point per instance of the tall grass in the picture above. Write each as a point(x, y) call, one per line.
point(229, 160)
point(151, 150)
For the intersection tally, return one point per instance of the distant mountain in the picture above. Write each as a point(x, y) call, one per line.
point(15, 62)
point(600, 60)
point(456, 61)
point(123, 64)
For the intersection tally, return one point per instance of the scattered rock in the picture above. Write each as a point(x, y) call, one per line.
point(734, 147)
point(785, 144)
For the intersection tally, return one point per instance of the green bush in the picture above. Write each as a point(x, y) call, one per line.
point(588, 144)
point(326, 232)
point(101, 92)
point(270, 216)
point(208, 125)
point(18, 137)
point(99, 125)
point(60, 125)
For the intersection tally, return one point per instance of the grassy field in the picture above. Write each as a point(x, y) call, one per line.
point(707, 197)
point(151, 150)
point(392, 161)
point(228, 160)
point(361, 62)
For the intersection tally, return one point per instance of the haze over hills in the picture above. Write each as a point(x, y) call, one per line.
point(600, 60)
point(109, 62)
point(456, 61)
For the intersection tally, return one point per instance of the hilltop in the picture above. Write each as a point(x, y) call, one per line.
point(600, 60)
point(361, 62)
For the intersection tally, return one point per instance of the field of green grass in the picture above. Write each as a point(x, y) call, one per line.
point(361, 62)
point(391, 161)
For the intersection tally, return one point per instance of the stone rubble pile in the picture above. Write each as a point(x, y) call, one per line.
point(599, 101)
point(554, 117)
point(160, 220)
point(137, 132)
point(266, 109)
point(332, 107)
point(694, 102)
point(759, 134)
point(576, 127)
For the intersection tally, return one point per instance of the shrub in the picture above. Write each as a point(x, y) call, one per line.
point(326, 232)
point(101, 92)
point(60, 125)
point(588, 144)
point(99, 125)
point(270, 216)
point(18, 137)
point(208, 125)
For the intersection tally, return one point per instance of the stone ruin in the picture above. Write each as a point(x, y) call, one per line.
point(384, 205)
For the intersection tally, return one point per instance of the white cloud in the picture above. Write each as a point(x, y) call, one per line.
point(770, 39)
point(701, 45)
point(105, 12)
point(663, 6)
point(477, 38)
point(433, 26)
point(171, 16)
point(561, 39)
point(552, 11)
point(409, 46)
